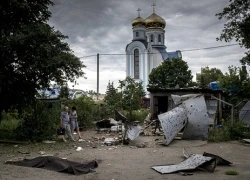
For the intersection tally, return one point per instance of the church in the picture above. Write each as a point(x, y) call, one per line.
point(147, 49)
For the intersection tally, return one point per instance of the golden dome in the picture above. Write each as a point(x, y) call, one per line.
point(138, 22)
point(155, 21)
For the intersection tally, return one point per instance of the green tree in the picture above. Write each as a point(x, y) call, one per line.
point(64, 91)
point(32, 53)
point(112, 97)
point(132, 92)
point(236, 83)
point(237, 27)
point(208, 75)
point(169, 74)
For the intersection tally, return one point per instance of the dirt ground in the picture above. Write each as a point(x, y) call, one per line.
point(125, 162)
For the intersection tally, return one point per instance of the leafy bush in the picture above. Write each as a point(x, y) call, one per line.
point(85, 107)
point(8, 124)
point(39, 122)
point(228, 132)
point(138, 115)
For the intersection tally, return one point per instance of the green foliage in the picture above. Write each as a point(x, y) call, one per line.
point(207, 76)
point(40, 122)
point(236, 83)
point(86, 110)
point(137, 115)
point(32, 53)
point(113, 97)
point(237, 26)
point(64, 91)
point(8, 124)
point(132, 92)
point(169, 74)
point(229, 132)
point(231, 172)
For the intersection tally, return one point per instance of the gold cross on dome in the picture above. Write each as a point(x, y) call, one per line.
point(153, 7)
point(138, 12)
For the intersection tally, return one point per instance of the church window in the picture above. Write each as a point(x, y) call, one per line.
point(159, 38)
point(152, 38)
point(136, 34)
point(136, 64)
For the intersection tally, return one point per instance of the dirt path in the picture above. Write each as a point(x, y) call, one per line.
point(127, 162)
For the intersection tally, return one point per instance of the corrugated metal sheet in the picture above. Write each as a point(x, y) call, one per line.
point(191, 163)
point(198, 123)
point(172, 122)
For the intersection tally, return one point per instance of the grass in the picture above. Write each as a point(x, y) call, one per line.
point(231, 172)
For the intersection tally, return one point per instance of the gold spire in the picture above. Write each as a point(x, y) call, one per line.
point(139, 22)
point(155, 21)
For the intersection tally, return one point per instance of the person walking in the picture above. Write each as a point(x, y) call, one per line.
point(74, 123)
point(65, 122)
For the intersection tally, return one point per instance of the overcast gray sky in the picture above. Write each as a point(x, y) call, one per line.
point(104, 26)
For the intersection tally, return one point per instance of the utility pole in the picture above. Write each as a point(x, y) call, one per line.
point(97, 76)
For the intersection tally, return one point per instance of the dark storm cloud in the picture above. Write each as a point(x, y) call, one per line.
point(104, 26)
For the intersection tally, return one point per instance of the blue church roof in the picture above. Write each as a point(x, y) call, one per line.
point(168, 55)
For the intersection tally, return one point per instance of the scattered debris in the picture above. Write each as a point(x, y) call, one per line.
point(141, 145)
point(105, 124)
point(23, 152)
point(185, 174)
point(133, 131)
point(79, 149)
point(49, 142)
point(81, 140)
point(42, 152)
point(109, 141)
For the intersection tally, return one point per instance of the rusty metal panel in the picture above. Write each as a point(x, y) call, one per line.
point(172, 122)
point(198, 124)
point(193, 162)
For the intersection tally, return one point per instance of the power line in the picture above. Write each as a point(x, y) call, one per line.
point(197, 49)
point(213, 47)
point(87, 56)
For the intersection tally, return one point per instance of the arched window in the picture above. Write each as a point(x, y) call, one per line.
point(136, 64)
point(159, 38)
point(136, 34)
point(152, 38)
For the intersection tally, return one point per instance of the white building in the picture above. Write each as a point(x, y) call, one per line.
point(147, 49)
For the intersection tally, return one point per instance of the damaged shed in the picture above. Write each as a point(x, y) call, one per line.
point(161, 100)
